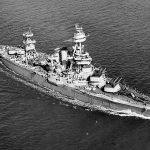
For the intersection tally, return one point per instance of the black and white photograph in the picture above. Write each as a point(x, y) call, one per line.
point(74, 74)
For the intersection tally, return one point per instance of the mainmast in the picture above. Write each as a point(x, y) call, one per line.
point(78, 39)
point(81, 57)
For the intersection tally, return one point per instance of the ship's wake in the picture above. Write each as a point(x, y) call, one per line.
point(66, 99)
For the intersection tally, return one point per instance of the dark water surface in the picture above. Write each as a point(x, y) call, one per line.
point(119, 41)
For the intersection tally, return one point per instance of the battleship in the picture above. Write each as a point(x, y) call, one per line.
point(70, 72)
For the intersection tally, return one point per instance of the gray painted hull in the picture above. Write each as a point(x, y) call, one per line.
point(90, 100)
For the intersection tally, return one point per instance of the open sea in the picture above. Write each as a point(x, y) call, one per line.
point(119, 41)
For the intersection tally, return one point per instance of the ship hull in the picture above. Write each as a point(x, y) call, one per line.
point(89, 100)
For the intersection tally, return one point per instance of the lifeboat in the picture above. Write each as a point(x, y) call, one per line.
point(80, 82)
point(16, 51)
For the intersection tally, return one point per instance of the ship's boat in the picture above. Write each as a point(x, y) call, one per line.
point(16, 51)
point(71, 73)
